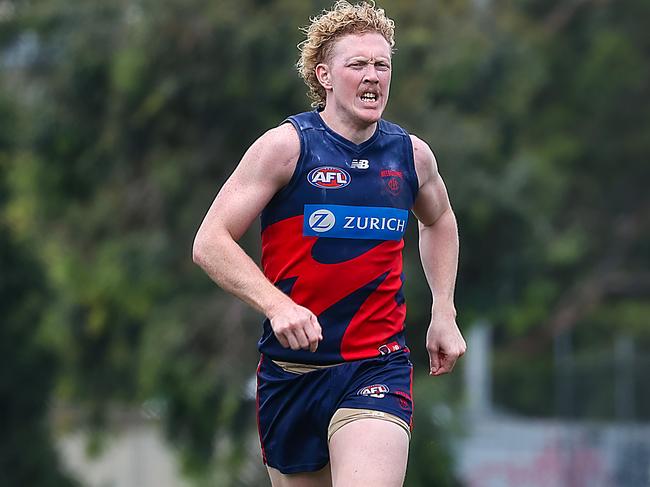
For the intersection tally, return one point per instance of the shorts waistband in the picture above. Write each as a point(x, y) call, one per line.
point(301, 368)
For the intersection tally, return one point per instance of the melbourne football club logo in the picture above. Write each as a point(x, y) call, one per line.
point(404, 399)
point(322, 220)
point(393, 180)
point(328, 177)
point(375, 390)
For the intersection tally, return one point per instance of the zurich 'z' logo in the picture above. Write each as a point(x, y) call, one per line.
point(328, 177)
point(360, 222)
point(322, 220)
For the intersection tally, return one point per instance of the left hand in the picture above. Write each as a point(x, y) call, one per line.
point(445, 343)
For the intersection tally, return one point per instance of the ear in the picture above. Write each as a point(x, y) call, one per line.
point(323, 76)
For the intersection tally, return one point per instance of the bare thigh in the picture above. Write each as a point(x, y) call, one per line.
point(369, 452)
point(321, 478)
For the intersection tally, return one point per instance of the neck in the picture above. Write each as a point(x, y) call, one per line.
point(354, 132)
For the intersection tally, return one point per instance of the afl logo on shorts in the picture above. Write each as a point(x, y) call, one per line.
point(328, 177)
point(375, 390)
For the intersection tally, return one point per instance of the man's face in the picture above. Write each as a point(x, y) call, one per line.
point(359, 72)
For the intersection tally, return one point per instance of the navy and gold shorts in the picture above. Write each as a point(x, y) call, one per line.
point(300, 406)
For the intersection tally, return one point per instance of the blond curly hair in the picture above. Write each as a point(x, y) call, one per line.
point(344, 18)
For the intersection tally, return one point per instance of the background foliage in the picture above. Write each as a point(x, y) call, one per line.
point(120, 120)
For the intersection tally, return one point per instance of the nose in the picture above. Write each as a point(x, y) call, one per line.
point(370, 75)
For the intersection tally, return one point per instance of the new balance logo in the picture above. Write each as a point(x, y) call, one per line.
point(360, 164)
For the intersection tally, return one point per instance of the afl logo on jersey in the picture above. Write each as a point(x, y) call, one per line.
point(328, 177)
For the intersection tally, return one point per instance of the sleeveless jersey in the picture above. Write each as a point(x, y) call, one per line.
point(332, 240)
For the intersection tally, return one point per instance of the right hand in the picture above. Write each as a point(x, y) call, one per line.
point(296, 327)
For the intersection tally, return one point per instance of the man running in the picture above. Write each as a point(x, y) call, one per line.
point(334, 188)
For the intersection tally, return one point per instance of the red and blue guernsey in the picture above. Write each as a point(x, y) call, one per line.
point(332, 240)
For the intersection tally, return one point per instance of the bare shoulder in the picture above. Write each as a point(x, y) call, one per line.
point(274, 154)
point(282, 142)
point(426, 166)
point(267, 166)
point(432, 200)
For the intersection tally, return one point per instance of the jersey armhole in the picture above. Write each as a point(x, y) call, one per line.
point(299, 164)
point(413, 180)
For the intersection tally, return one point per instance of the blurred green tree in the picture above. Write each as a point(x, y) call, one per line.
point(28, 369)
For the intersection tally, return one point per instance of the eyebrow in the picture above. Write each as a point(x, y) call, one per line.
point(366, 60)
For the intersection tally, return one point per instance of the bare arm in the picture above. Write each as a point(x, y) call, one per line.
point(438, 234)
point(266, 167)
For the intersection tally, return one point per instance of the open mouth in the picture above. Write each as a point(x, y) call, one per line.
point(369, 97)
